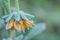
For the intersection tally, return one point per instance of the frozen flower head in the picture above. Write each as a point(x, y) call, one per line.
point(19, 21)
point(13, 24)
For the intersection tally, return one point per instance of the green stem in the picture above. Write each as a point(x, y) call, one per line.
point(17, 5)
point(6, 6)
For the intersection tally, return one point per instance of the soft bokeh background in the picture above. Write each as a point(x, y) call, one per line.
point(47, 19)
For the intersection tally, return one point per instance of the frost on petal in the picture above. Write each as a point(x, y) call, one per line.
point(9, 25)
point(30, 24)
point(17, 26)
point(26, 25)
point(22, 26)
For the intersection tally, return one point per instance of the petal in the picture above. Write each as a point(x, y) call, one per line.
point(12, 28)
point(22, 27)
point(17, 26)
point(26, 25)
point(30, 24)
point(9, 25)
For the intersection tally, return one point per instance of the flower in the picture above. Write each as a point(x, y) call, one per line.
point(26, 24)
point(18, 20)
point(13, 24)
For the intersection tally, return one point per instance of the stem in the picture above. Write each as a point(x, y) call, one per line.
point(17, 5)
point(12, 34)
point(6, 6)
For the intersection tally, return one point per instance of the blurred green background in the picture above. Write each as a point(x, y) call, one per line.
point(45, 11)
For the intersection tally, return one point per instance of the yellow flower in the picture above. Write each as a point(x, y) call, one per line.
point(19, 26)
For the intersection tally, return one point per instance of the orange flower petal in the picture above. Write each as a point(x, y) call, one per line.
point(30, 24)
point(26, 25)
point(22, 26)
point(9, 25)
point(12, 28)
point(17, 26)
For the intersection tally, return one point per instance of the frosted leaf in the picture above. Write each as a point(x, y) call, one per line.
point(24, 17)
point(5, 16)
point(9, 17)
point(26, 14)
point(17, 17)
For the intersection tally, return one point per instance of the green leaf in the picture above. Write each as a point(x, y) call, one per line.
point(24, 17)
point(17, 16)
point(6, 5)
point(5, 16)
point(9, 17)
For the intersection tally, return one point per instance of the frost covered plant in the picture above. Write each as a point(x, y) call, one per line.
point(18, 20)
